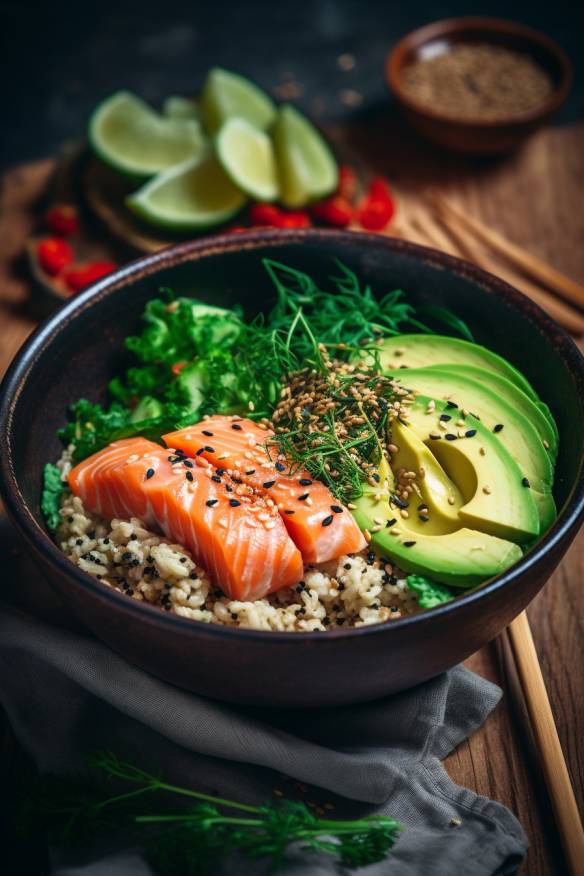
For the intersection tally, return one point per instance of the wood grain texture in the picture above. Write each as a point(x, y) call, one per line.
point(533, 197)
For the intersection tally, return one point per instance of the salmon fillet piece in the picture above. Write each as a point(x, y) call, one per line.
point(321, 527)
point(236, 535)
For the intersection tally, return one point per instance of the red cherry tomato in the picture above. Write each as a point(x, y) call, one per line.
point(79, 278)
point(178, 367)
point(375, 214)
point(336, 211)
point(54, 254)
point(264, 214)
point(293, 219)
point(62, 219)
point(379, 189)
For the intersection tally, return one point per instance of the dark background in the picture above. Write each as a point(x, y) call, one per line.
point(58, 59)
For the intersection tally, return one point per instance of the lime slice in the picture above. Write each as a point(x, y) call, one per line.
point(128, 135)
point(191, 196)
point(247, 157)
point(177, 107)
point(227, 94)
point(308, 170)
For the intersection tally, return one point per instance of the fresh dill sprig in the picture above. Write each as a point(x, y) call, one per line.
point(194, 837)
point(349, 314)
point(333, 423)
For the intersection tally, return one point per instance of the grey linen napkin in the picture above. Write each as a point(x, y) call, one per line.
point(66, 694)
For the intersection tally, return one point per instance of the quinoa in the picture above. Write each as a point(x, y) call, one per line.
point(351, 591)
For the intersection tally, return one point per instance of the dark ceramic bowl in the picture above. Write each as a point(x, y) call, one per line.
point(478, 137)
point(80, 348)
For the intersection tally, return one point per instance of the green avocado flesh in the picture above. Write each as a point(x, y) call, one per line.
point(537, 413)
point(418, 351)
point(462, 558)
point(519, 435)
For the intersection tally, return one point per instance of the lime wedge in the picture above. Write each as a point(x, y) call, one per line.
point(177, 107)
point(308, 170)
point(128, 135)
point(247, 157)
point(227, 94)
point(189, 197)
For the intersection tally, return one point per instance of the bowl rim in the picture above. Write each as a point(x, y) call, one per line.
point(40, 340)
point(428, 32)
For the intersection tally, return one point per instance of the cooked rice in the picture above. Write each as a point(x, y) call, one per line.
point(352, 591)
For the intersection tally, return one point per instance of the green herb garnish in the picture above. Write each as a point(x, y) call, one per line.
point(188, 831)
point(53, 488)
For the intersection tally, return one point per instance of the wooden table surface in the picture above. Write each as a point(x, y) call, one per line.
point(535, 197)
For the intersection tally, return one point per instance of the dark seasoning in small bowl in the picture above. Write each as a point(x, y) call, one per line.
point(477, 81)
point(478, 85)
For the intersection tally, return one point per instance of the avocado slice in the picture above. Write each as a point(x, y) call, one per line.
point(435, 491)
point(462, 558)
point(416, 351)
point(497, 496)
point(537, 413)
point(518, 434)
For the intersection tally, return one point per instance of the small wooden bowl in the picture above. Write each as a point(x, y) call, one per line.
point(478, 137)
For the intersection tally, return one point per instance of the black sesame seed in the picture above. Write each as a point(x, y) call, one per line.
point(376, 477)
point(435, 437)
point(207, 433)
point(347, 566)
point(525, 482)
point(326, 621)
point(78, 541)
point(303, 497)
point(236, 426)
point(445, 417)
point(498, 427)
point(220, 471)
point(199, 451)
point(133, 537)
point(340, 586)
point(391, 522)
point(229, 488)
point(234, 503)
point(173, 459)
point(250, 471)
point(370, 558)
point(471, 433)
point(189, 476)
point(126, 556)
point(106, 541)
point(409, 543)
point(288, 511)
point(69, 520)
point(193, 576)
point(337, 509)
point(401, 503)
point(209, 449)
point(216, 478)
point(188, 463)
point(233, 615)
point(91, 534)
point(305, 482)
point(236, 480)
point(268, 484)
point(210, 502)
point(183, 559)
point(450, 437)
point(451, 404)
point(149, 474)
point(327, 520)
point(280, 466)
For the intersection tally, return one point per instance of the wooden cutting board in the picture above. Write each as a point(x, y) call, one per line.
point(536, 198)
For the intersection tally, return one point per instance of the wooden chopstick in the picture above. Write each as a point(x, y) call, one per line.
point(528, 263)
point(548, 744)
point(563, 313)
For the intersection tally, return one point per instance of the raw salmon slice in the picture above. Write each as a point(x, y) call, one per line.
point(232, 532)
point(320, 526)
